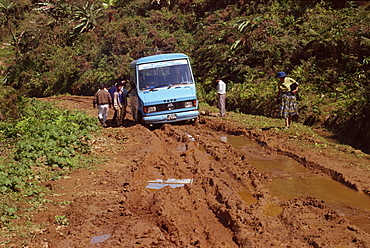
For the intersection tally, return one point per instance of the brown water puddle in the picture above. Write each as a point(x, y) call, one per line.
point(292, 180)
point(247, 197)
point(273, 210)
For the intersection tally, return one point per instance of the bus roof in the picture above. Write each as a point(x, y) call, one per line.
point(158, 58)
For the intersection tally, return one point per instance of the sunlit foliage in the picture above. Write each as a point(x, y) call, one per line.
point(70, 46)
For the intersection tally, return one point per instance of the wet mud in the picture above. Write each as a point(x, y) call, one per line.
point(291, 180)
point(217, 197)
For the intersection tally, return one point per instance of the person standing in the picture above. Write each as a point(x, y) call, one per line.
point(103, 100)
point(111, 91)
point(124, 95)
point(117, 104)
point(221, 95)
point(287, 87)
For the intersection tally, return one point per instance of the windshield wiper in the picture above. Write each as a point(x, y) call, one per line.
point(161, 85)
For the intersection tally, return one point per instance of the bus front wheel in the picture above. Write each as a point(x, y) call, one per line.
point(140, 119)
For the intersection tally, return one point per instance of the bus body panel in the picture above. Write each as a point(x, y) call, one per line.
point(165, 89)
point(166, 118)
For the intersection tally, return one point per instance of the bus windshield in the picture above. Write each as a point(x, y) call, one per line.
point(162, 74)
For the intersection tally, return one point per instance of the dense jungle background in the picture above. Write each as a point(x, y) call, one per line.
point(67, 47)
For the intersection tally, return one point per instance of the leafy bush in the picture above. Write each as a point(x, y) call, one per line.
point(44, 137)
point(38, 143)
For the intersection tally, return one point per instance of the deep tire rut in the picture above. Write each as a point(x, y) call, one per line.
point(228, 203)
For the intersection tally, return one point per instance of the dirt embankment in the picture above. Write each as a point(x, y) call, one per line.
point(225, 204)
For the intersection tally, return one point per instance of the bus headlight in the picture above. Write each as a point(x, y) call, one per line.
point(188, 104)
point(152, 109)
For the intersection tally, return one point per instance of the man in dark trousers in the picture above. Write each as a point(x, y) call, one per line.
point(103, 100)
point(111, 91)
point(125, 94)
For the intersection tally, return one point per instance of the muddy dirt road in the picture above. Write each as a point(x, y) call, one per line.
point(214, 197)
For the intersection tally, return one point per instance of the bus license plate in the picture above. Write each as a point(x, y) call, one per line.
point(171, 117)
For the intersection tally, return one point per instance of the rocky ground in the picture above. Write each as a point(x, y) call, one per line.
point(225, 203)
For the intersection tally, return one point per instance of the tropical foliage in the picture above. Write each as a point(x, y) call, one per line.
point(65, 46)
point(40, 143)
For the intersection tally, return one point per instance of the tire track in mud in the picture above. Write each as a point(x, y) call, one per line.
point(227, 205)
point(208, 213)
point(219, 173)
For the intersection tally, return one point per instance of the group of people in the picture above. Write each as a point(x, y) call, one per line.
point(286, 97)
point(115, 97)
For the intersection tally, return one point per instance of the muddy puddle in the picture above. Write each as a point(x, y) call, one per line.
point(292, 180)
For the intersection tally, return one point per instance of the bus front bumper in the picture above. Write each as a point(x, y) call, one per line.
point(173, 117)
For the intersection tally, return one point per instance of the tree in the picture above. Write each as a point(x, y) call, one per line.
point(108, 4)
point(88, 15)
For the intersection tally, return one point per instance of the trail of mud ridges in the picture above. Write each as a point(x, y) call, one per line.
point(182, 214)
point(225, 175)
point(209, 213)
point(227, 205)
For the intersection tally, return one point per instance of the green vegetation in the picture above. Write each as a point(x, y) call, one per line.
point(61, 220)
point(69, 46)
point(38, 142)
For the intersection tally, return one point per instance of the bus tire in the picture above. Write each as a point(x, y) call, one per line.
point(140, 119)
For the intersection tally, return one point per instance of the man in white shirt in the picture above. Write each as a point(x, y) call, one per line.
point(221, 95)
point(117, 104)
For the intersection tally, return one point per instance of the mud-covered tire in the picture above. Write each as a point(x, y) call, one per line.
point(140, 119)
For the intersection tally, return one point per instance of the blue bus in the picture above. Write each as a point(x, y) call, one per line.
point(165, 90)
